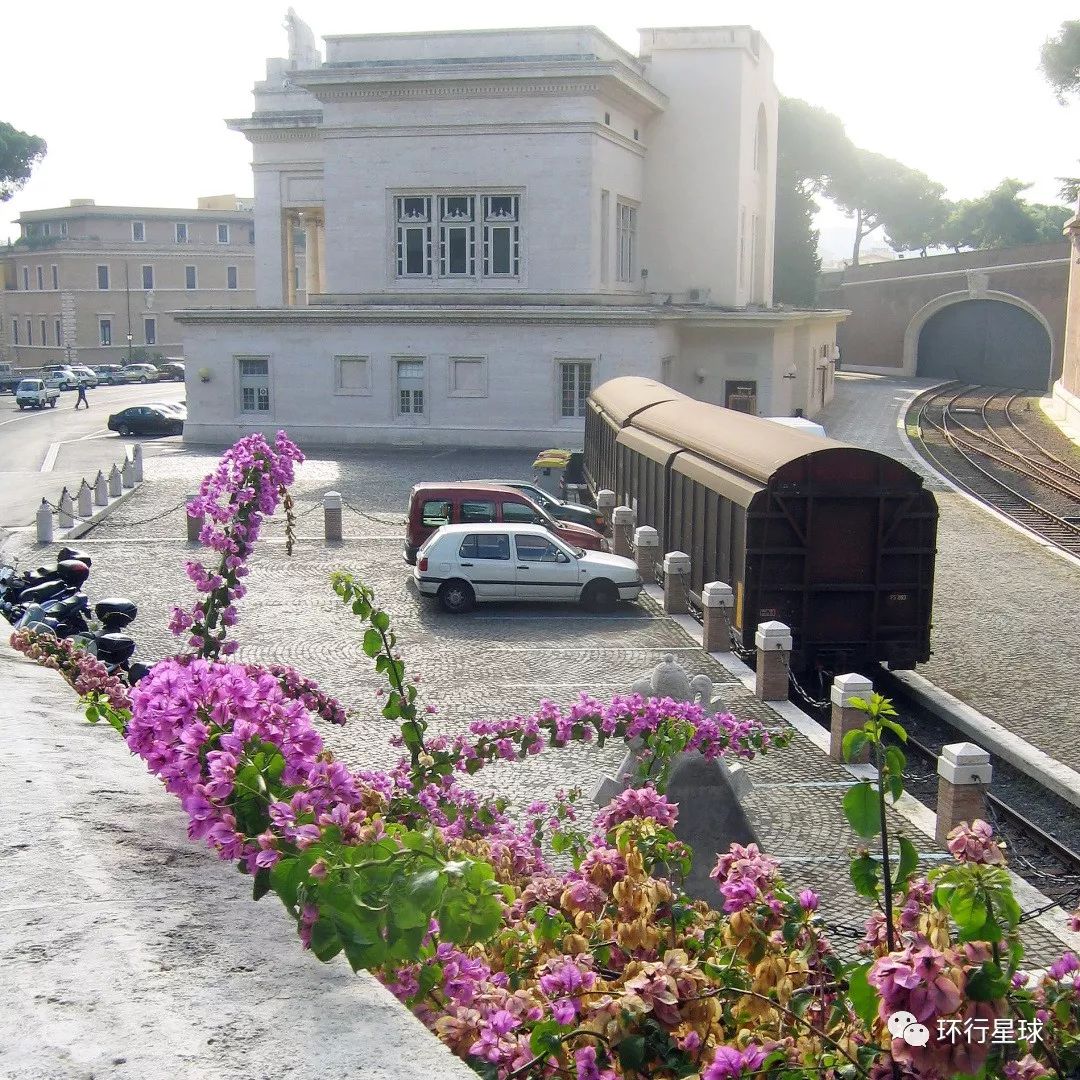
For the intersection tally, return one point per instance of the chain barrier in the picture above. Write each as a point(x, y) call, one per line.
point(153, 517)
point(844, 930)
point(658, 573)
point(695, 609)
point(814, 703)
point(373, 517)
point(995, 820)
point(747, 656)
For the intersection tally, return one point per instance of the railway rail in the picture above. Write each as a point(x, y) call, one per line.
point(972, 435)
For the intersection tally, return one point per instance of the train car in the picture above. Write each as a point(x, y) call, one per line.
point(836, 541)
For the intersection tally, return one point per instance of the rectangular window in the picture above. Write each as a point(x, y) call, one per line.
point(251, 235)
point(55, 277)
point(105, 331)
point(468, 376)
point(457, 236)
point(473, 511)
point(230, 277)
point(58, 328)
point(102, 277)
point(519, 512)
point(46, 229)
point(605, 239)
point(485, 546)
point(63, 229)
point(44, 336)
point(14, 331)
point(410, 387)
point(149, 327)
point(254, 383)
point(40, 278)
point(223, 234)
point(29, 332)
point(351, 375)
point(26, 278)
point(502, 236)
point(181, 232)
point(626, 229)
point(413, 235)
point(435, 512)
point(575, 385)
point(147, 278)
point(191, 278)
point(138, 232)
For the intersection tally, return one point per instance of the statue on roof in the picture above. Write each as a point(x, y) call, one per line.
point(303, 52)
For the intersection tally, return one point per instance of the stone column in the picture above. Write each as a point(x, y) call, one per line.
point(963, 779)
point(773, 641)
point(844, 717)
point(290, 260)
point(646, 550)
point(717, 600)
point(127, 473)
point(44, 523)
point(137, 462)
point(66, 517)
point(194, 523)
point(116, 485)
point(605, 503)
point(676, 582)
point(311, 256)
point(101, 490)
point(320, 236)
point(86, 508)
point(332, 515)
point(623, 521)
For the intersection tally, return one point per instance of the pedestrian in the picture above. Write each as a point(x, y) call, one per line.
point(81, 399)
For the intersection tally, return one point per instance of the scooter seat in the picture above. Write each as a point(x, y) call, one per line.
point(115, 648)
point(74, 553)
point(47, 590)
point(115, 611)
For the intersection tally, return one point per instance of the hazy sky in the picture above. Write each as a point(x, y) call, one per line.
point(131, 96)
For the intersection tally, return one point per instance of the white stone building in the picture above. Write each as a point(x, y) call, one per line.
point(496, 221)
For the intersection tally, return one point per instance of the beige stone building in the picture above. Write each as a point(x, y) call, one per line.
point(89, 284)
point(1066, 391)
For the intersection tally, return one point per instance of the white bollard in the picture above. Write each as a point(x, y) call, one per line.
point(332, 515)
point(127, 473)
point(86, 508)
point(717, 599)
point(137, 462)
point(66, 518)
point(605, 502)
point(115, 483)
point(44, 523)
point(101, 490)
point(774, 643)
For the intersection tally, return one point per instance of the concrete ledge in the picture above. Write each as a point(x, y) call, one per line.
point(84, 525)
point(130, 951)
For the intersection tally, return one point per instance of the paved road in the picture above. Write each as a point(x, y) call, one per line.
point(42, 451)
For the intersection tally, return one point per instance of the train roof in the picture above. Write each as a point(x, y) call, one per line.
point(621, 398)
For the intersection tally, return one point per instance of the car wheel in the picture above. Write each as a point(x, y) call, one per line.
point(600, 596)
point(144, 380)
point(52, 404)
point(124, 429)
point(457, 597)
point(21, 407)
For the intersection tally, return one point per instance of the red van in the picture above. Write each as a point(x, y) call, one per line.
point(432, 505)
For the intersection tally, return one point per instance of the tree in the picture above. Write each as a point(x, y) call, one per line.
point(1000, 218)
point(1060, 61)
point(19, 153)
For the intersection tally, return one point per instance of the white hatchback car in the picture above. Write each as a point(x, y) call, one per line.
point(463, 564)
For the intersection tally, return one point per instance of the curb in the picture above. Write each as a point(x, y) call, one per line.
point(82, 527)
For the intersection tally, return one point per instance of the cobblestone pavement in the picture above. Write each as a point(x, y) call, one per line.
point(1006, 612)
point(493, 662)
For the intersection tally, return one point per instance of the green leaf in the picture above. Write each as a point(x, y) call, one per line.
point(325, 943)
point(261, 884)
point(899, 731)
point(372, 642)
point(988, 983)
point(861, 809)
point(909, 862)
point(380, 620)
point(968, 909)
point(854, 742)
point(544, 1039)
point(865, 876)
point(864, 997)
point(631, 1051)
point(286, 876)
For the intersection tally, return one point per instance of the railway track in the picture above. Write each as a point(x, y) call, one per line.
point(972, 435)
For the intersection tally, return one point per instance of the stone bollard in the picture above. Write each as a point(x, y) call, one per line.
point(605, 503)
point(646, 549)
point(676, 583)
point(623, 520)
point(127, 473)
point(331, 508)
point(964, 773)
point(844, 717)
point(44, 523)
point(194, 522)
point(66, 517)
point(137, 463)
point(86, 508)
point(115, 483)
point(773, 641)
point(101, 490)
point(717, 599)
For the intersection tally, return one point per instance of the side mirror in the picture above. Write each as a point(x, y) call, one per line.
point(561, 556)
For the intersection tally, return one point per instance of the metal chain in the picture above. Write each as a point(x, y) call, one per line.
point(373, 517)
point(153, 517)
point(747, 656)
point(814, 703)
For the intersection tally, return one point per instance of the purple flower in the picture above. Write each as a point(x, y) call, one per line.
point(808, 900)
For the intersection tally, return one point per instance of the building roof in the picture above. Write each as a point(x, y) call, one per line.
point(92, 210)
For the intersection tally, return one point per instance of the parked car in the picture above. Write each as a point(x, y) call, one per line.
point(463, 564)
point(172, 369)
point(561, 511)
point(175, 408)
point(34, 394)
point(141, 373)
point(86, 376)
point(146, 420)
point(433, 505)
point(108, 374)
point(61, 378)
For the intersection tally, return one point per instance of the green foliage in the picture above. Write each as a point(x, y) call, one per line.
point(1001, 218)
point(1059, 60)
point(98, 708)
point(19, 153)
point(864, 997)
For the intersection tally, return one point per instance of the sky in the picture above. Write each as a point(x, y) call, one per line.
point(132, 97)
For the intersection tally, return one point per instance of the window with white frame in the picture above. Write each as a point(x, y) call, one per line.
point(149, 327)
point(254, 372)
point(410, 386)
point(55, 277)
point(468, 376)
point(105, 331)
point(457, 236)
point(414, 227)
point(40, 278)
point(223, 234)
point(147, 278)
point(181, 232)
point(502, 235)
point(626, 238)
point(191, 277)
point(138, 232)
point(352, 375)
point(103, 277)
point(575, 384)
point(230, 277)
point(58, 327)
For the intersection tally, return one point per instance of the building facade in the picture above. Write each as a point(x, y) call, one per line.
point(496, 221)
point(1066, 391)
point(88, 284)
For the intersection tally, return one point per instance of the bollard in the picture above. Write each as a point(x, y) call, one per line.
point(86, 508)
point(137, 463)
point(717, 599)
point(676, 582)
point(44, 523)
point(964, 773)
point(194, 522)
point(844, 717)
point(115, 483)
point(646, 549)
point(605, 503)
point(773, 641)
point(623, 520)
point(101, 490)
point(66, 517)
point(127, 473)
point(331, 505)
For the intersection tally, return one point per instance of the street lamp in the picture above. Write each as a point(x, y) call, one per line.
point(129, 348)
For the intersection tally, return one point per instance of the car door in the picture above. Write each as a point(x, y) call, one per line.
point(485, 562)
point(544, 571)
